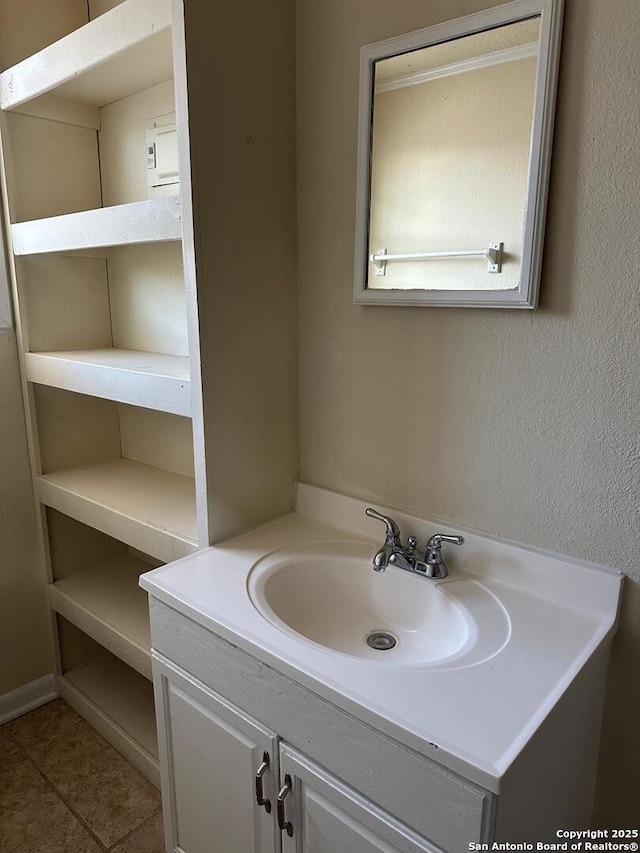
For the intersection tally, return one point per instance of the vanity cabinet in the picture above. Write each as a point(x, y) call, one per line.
point(374, 754)
point(343, 785)
point(233, 783)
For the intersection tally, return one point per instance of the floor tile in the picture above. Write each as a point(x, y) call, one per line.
point(50, 719)
point(32, 817)
point(7, 745)
point(104, 790)
point(148, 839)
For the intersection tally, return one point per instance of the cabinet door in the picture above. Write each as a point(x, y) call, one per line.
point(210, 753)
point(324, 815)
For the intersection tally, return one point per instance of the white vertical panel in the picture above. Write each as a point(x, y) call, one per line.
point(5, 301)
point(193, 291)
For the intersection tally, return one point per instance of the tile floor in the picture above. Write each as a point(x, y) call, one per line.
point(64, 789)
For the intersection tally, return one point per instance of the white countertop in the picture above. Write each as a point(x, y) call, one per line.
point(474, 720)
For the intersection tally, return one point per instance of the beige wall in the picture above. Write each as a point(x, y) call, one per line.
point(520, 424)
point(25, 643)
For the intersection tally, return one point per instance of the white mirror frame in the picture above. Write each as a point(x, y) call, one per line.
point(526, 296)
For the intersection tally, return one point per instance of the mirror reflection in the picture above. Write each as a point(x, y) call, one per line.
point(451, 136)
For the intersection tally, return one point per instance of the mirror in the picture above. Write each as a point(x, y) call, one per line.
point(455, 133)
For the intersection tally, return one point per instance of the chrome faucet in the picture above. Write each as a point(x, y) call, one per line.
point(395, 554)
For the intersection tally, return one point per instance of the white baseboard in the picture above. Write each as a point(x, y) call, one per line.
point(26, 698)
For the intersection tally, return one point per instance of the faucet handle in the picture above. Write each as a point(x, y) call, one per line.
point(438, 538)
point(393, 531)
point(434, 565)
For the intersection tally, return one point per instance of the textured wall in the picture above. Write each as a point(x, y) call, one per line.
point(24, 628)
point(519, 424)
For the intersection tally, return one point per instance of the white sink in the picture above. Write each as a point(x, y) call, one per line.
point(328, 593)
point(483, 656)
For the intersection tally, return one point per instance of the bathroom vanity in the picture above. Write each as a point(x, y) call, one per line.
point(481, 724)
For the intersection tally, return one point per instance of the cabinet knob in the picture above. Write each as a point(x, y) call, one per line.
point(285, 825)
point(260, 798)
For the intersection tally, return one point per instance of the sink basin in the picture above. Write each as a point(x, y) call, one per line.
point(327, 593)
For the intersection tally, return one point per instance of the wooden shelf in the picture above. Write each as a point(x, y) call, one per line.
point(152, 221)
point(118, 702)
point(149, 508)
point(151, 380)
point(126, 50)
point(106, 602)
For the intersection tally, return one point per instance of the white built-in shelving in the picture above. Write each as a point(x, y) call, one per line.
point(100, 317)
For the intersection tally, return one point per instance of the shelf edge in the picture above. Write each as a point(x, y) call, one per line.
point(151, 221)
point(118, 644)
point(88, 47)
point(156, 542)
point(122, 385)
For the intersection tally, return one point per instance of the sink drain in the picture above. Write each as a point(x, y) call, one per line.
point(381, 641)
